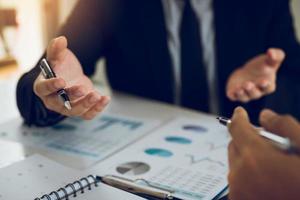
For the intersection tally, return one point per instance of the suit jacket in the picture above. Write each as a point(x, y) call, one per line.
point(131, 35)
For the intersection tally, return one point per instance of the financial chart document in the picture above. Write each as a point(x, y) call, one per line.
point(187, 156)
point(90, 140)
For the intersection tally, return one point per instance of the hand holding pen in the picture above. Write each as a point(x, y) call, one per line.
point(258, 169)
point(70, 84)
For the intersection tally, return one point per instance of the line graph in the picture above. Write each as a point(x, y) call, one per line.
point(194, 160)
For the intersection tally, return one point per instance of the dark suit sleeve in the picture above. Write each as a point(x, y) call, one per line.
point(87, 30)
point(282, 35)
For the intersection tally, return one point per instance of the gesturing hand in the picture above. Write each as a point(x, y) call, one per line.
point(256, 78)
point(258, 170)
point(86, 101)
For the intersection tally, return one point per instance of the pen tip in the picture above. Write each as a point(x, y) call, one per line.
point(68, 105)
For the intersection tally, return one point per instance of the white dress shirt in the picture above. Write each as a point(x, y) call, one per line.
point(173, 11)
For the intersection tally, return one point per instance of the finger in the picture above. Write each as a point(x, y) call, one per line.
point(285, 126)
point(242, 96)
point(242, 132)
point(275, 57)
point(81, 106)
point(233, 156)
point(265, 86)
point(231, 94)
point(252, 91)
point(96, 109)
point(56, 49)
point(76, 92)
point(45, 87)
point(54, 103)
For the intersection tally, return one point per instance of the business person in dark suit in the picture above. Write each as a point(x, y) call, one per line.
point(205, 55)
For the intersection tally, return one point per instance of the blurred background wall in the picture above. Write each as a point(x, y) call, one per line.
point(38, 21)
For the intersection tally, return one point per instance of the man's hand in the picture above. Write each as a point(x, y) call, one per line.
point(256, 78)
point(258, 170)
point(86, 101)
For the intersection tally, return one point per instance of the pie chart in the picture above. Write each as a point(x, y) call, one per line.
point(133, 168)
point(159, 152)
point(195, 128)
point(178, 140)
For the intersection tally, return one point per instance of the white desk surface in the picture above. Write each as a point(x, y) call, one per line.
point(123, 104)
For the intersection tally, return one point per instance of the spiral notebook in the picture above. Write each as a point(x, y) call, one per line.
point(38, 178)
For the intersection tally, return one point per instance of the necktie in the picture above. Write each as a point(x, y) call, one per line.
point(194, 88)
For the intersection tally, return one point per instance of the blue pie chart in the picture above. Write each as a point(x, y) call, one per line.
point(159, 152)
point(178, 140)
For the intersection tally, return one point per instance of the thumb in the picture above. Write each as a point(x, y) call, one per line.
point(242, 132)
point(285, 126)
point(56, 49)
point(274, 57)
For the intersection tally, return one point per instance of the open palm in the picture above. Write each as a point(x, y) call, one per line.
point(86, 101)
point(256, 78)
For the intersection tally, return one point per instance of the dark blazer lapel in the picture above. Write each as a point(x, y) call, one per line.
point(154, 29)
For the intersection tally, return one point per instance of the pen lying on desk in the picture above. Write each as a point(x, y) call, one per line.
point(282, 143)
point(146, 191)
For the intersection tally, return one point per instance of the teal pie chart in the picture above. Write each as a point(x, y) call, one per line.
point(159, 152)
point(178, 140)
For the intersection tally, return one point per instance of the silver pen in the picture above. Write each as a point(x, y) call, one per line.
point(146, 191)
point(282, 143)
point(49, 73)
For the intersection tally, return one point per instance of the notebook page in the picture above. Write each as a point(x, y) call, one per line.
point(37, 175)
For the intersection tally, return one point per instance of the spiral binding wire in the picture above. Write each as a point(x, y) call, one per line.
point(65, 192)
point(72, 186)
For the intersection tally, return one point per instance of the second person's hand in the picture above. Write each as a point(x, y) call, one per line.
point(258, 170)
point(257, 78)
point(86, 101)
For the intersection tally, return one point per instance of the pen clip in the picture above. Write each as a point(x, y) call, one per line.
point(46, 69)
